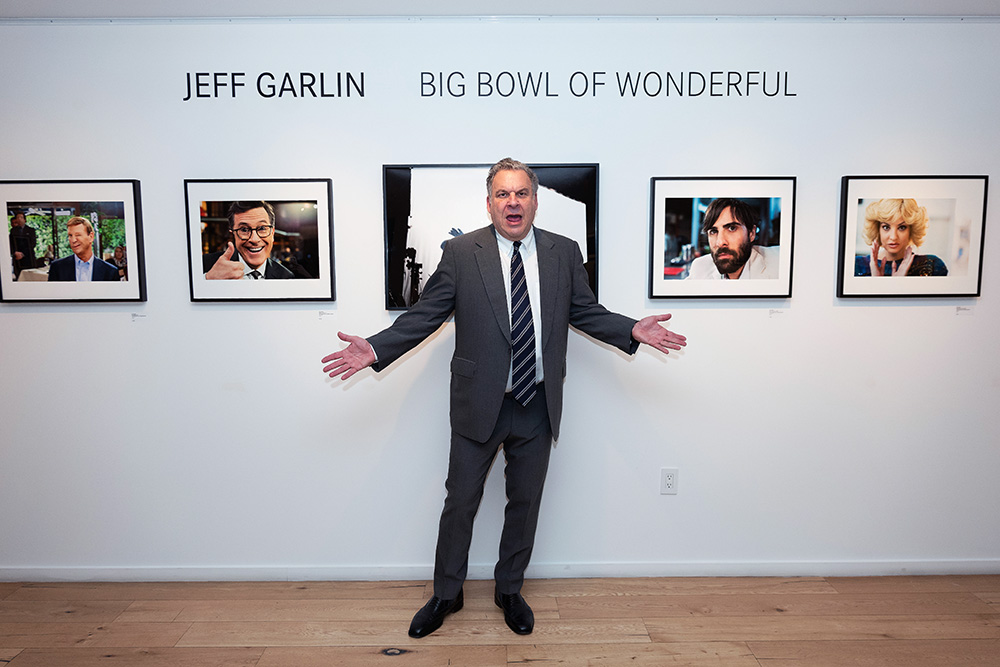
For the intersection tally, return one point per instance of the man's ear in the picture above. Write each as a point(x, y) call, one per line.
point(753, 233)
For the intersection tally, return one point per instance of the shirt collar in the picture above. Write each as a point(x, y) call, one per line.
point(507, 246)
point(247, 269)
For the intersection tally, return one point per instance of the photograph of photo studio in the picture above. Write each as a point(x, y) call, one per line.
point(419, 218)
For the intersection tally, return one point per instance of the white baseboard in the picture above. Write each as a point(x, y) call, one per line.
point(763, 569)
point(535, 571)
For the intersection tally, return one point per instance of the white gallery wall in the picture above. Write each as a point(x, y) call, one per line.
point(813, 435)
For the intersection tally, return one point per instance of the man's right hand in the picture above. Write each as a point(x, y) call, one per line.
point(225, 268)
point(357, 356)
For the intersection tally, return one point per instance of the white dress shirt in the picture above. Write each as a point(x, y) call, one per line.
point(84, 270)
point(529, 257)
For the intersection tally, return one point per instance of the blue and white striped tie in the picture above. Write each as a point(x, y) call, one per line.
point(522, 332)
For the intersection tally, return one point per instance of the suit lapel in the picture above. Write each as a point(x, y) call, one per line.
point(488, 259)
point(548, 279)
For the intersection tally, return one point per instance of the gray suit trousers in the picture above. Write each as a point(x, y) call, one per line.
point(524, 434)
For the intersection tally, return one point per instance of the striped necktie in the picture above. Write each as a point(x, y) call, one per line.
point(522, 332)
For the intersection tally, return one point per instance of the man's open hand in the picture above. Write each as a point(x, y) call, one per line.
point(649, 331)
point(357, 356)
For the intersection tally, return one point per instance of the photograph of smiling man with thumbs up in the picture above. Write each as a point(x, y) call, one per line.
point(248, 254)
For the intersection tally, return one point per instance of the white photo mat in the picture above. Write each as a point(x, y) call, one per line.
point(124, 191)
point(663, 188)
point(300, 289)
point(957, 205)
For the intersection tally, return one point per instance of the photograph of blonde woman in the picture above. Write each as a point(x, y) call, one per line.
point(893, 229)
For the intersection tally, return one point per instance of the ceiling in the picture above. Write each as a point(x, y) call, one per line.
point(15, 10)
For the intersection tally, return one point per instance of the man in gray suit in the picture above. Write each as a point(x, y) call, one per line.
point(490, 407)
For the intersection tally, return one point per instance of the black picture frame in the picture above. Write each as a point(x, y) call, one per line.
point(300, 247)
point(452, 198)
point(111, 212)
point(680, 259)
point(948, 212)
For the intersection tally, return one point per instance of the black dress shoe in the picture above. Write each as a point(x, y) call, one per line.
point(516, 612)
point(431, 615)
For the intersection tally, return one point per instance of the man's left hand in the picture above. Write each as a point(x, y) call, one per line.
point(649, 331)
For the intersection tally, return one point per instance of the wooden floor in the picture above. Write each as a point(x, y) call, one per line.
point(938, 621)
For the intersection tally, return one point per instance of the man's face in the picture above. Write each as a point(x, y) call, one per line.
point(254, 250)
point(81, 242)
point(730, 241)
point(512, 204)
point(17, 220)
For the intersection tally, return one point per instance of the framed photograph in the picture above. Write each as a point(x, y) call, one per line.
point(72, 241)
point(911, 236)
point(260, 239)
point(425, 205)
point(724, 237)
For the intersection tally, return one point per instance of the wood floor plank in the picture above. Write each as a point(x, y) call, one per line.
point(87, 611)
point(140, 657)
point(892, 653)
point(7, 654)
point(992, 598)
point(566, 588)
point(6, 588)
point(110, 635)
point(393, 634)
point(152, 611)
point(249, 590)
point(411, 656)
point(716, 654)
point(917, 584)
point(654, 606)
point(339, 610)
point(818, 628)
point(980, 583)
point(44, 635)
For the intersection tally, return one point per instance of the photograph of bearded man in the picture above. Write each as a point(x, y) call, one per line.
point(731, 227)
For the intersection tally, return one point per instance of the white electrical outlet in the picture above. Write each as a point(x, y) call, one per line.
point(668, 481)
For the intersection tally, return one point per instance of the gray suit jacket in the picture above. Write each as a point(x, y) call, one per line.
point(469, 282)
